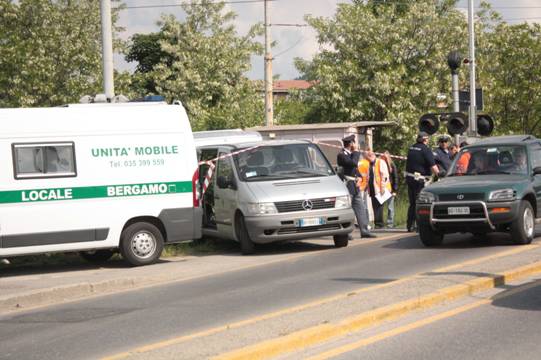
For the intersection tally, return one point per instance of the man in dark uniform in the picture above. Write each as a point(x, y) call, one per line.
point(348, 159)
point(419, 166)
point(442, 155)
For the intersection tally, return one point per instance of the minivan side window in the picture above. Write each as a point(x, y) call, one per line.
point(225, 168)
point(44, 160)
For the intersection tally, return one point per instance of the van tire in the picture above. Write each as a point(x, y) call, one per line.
point(523, 229)
point(97, 256)
point(341, 240)
point(429, 237)
point(247, 246)
point(141, 244)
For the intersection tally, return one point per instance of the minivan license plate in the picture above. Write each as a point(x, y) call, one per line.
point(463, 210)
point(311, 222)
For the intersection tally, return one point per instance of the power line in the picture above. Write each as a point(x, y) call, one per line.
point(289, 48)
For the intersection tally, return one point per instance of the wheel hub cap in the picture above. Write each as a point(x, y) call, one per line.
point(143, 244)
point(528, 222)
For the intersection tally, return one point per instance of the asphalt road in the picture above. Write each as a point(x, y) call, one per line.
point(508, 328)
point(109, 324)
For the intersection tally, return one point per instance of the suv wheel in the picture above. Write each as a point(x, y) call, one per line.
point(523, 229)
point(429, 237)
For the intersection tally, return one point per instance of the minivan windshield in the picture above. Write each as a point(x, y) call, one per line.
point(486, 160)
point(288, 161)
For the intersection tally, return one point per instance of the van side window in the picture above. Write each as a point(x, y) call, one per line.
point(44, 160)
point(225, 168)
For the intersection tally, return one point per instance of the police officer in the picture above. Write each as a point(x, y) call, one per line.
point(419, 165)
point(442, 155)
point(348, 159)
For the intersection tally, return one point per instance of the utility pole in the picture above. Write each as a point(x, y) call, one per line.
point(268, 69)
point(473, 106)
point(107, 49)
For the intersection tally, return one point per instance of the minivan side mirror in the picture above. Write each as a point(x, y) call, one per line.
point(537, 170)
point(225, 183)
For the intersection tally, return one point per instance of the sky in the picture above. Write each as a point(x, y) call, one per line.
point(291, 41)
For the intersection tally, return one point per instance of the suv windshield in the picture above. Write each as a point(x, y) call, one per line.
point(282, 162)
point(503, 159)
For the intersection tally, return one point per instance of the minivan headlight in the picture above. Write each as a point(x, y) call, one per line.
point(261, 208)
point(425, 197)
point(342, 202)
point(501, 195)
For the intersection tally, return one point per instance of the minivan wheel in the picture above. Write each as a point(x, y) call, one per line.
point(523, 229)
point(341, 240)
point(97, 256)
point(429, 237)
point(247, 246)
point(141, 244)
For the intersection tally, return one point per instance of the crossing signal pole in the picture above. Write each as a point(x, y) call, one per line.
point(269, 111)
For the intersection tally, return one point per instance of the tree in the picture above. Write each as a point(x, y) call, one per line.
point(50, 51)
point(511, 79)
point(201, 61)
point(383, 61)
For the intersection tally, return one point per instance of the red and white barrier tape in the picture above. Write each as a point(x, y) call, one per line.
point(212, 163)
point(362, 151)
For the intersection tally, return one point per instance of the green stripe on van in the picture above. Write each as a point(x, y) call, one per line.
point(93, 192)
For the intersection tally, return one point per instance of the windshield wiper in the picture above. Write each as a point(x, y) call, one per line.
point(310, 173)
point(491, 172)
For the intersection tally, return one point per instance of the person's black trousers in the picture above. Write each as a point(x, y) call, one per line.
point(378, 212)
point(414, 188)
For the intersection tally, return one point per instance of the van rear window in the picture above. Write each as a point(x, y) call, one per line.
point(33, 160)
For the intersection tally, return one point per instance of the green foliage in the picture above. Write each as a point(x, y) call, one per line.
point(50, 51)
point(383, 61)
point(291, 110)
point(511, 78)
point(201, 61)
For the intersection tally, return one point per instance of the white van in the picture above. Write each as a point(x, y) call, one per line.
point(97, 177)
point(273, 191)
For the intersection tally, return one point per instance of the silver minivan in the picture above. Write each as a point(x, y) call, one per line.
point(271, 191)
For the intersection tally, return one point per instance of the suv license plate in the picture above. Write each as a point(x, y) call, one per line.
point(311, 222)
point(463, 210)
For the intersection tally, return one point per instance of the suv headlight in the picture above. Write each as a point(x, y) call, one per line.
point(425, 197)
point(501, 195)
point(342, 202)
point(261, 208)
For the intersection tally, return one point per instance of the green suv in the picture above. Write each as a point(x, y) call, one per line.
point(492, 185)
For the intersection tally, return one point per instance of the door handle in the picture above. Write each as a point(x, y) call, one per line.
point(216, 197)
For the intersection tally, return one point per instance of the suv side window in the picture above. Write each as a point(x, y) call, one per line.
point(536, 156)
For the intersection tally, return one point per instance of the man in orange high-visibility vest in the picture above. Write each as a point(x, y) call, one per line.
point(375, 180)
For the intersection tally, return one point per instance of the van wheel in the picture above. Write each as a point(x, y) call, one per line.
point(341, 240)
point(141, 244)
point(429, 237)
point(247, 246)
point(523, 229)
point(97, 256)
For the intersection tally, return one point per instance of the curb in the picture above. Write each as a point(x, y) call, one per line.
point(65, 293)
point(321, 333)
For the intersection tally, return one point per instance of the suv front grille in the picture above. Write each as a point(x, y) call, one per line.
point(296, 205)
point(465, 196)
